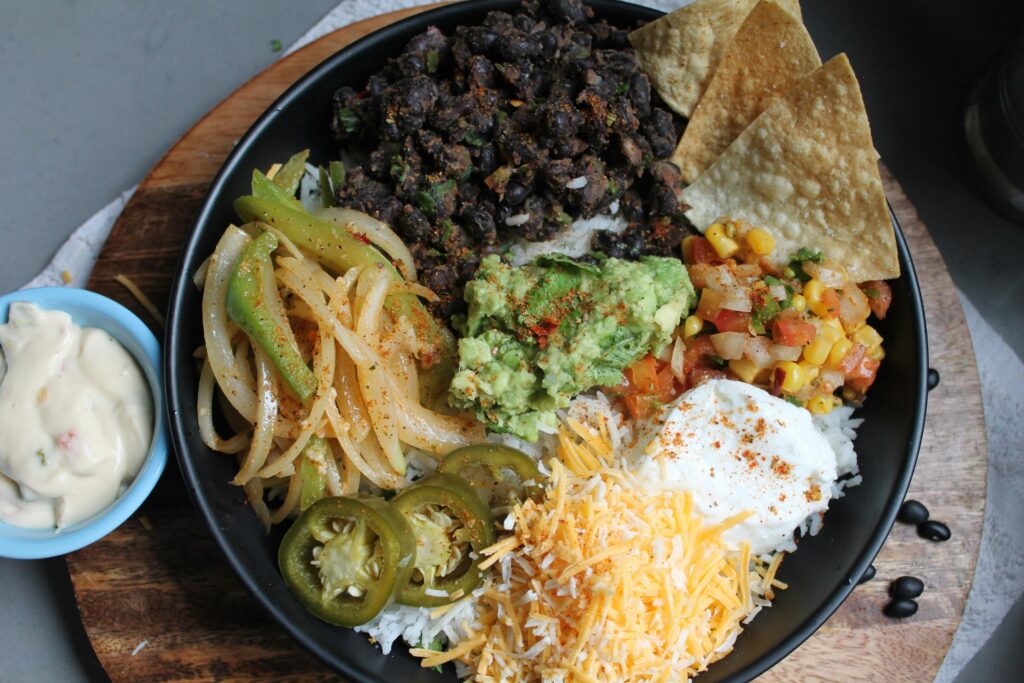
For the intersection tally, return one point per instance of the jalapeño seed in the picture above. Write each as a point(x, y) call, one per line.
point(868, 574)
point(906, 587)
point(900, 608)
point(933, 531)
point(912, 512)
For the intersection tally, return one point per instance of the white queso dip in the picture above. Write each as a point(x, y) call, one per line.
point(76, 419)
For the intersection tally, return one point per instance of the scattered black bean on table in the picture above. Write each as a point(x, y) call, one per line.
point(912, 512)
point(933, 531)
point(868, 574)
point(900, 608)
point(906, 587)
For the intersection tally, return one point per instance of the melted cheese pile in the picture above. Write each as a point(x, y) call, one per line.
point(601, 580)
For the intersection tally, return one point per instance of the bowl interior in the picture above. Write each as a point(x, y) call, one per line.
point(88, 309)
point(821, 575)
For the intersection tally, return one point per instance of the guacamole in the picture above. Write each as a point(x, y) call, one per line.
point(537, 335)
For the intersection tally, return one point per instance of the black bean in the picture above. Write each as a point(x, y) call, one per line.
point(912, 512)
point(906, 587)
point(515, 194)
point(868, 574)
point(933, 531)
point(900, 608)
point(933, 378)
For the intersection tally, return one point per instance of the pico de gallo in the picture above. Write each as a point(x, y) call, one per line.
point(801, 332)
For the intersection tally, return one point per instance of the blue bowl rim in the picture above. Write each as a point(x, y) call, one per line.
point(351, 668)
point(91, 530)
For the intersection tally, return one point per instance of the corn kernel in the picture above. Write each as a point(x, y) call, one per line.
point(877, 353)
point(820, 405)
point(799, 303)
point(868, 336)
point(835, 325)
point(760, 241)
point(858, 325)
point(817, 351)
point(745, 369)
point(692, 326)
point(794, 376)
point(723, 245)
point(809, 372)
point(688, 248)
point(813, 290)
point(838, 352)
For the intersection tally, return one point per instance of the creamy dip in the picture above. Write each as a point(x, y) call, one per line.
point(76, 419)
point(737, 449)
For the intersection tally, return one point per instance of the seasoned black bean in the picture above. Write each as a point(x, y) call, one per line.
point(933, 531)
point(906, 587)
point(912, 512)
point(868, 574)
point(900, 608)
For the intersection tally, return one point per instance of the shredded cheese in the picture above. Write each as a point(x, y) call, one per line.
point(601, 581)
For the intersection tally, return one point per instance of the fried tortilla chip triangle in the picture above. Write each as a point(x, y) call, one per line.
point(771, 51)
point(681, 50)
point(806, 170)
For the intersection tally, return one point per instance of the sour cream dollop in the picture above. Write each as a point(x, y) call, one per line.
point(735, 448)
point(76, 419)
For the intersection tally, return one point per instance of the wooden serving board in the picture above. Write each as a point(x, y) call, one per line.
point(160, 583)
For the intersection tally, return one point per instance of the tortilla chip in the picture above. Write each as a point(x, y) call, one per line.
point(771, 51)
point(806, 170)
point(681, 50)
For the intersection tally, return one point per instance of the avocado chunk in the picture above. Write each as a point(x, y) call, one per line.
point(537, 335)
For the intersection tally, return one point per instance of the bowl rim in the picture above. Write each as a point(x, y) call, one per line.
point(31, 544)
point(351, 667)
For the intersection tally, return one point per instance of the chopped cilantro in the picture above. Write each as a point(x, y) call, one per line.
point(349, 121)
point(448, 228)
point(428, 200)
point(795, 401)
point(471, 138)
point(797, 260)
point(613, 186)
point(399, 170)
point(501, 116)
point(41, 456)
point(432, 59)
point(871, 293)
point(717, 360)
point(275, 45)
point(622, 88)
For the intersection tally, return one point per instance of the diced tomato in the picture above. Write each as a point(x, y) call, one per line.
point(830, 302)
point(703, 252)
point(637, 406)
point(851, 361)
point(791, 331)
point(879, 295)
point(731, 321)
point(667, 389)
point(697, 351)
point(863, 376)
point(642, 376)
point(699, 375)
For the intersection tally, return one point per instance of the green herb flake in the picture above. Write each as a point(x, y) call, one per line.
point(501, 116)
point(717, 360)
point(42, 457)
point(432, 60)
point(429, 200)
point(622, 88)
point(471, 138)
point(349, 121)
point(805, 254)
point(795, 401)
point(871, 293)
point(399, 170)
point(613, 186)
point(275, 45)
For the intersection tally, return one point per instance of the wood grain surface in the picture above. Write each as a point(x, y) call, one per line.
point(160, 581)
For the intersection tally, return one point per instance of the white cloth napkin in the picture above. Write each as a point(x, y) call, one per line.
point(999, 577)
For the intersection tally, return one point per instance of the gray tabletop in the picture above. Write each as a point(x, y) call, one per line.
point(94, 93)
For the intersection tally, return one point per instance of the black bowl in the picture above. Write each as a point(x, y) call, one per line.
point(820, 576)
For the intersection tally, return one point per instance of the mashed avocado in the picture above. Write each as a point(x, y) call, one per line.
point(537, 335)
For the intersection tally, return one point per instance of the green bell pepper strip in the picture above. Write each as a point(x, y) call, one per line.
point(455, 497)
point(494, 459)
point(265, 188)
point(360, 568)
point(290, 175)
point(314, 485)
point(245, 306)
point(339, 250)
